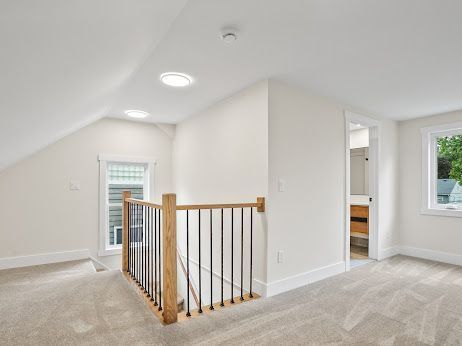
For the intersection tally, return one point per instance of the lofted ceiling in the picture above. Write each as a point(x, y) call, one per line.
point(67, 63)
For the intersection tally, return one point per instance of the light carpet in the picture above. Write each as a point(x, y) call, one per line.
point(401, 300)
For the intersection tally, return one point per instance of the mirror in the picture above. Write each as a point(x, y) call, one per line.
point(359, 171)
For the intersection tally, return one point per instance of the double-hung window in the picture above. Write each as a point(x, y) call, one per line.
point(442, 170)
point(118, 174)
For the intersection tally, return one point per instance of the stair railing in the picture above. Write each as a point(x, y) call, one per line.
point(149, 253)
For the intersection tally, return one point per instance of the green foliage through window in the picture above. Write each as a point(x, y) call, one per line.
point(450, 158)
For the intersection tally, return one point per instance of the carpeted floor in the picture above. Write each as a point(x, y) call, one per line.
point(402, 301)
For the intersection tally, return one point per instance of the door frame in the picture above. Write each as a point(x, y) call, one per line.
point(374, 154)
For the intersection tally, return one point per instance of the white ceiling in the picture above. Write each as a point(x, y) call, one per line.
point(61, 63)
point(67, 63)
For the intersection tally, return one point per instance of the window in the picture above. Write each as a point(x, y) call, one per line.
point(118, 174)
point(442, 170)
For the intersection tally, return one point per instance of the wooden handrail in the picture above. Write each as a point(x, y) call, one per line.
point(145, 203)
point(260, 205)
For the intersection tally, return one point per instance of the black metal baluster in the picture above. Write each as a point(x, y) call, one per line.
point(131, 241)
point(211, 262)
point(133, 233)
point(200, 281)
point(146, 252)
point(148, 290)
point(251, 251)
point(187, 262)
point(152, 256)
point(143, 248)
point(141, 245)
point(140, 214)
point(222, 303)
point(128, 245)
point(160, 263)
point(155, 257)
point(232, 256)
point(140, 229)
point(136, 243)
point(242, 253)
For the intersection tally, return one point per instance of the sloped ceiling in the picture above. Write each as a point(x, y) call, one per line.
point(67, 63)
point(61, 63)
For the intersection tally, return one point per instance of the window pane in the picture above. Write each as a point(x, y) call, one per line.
point(449, 182)
point(122, 177)
point(115, 224)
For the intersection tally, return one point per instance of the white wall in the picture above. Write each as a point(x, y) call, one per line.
point(359, 138)
point(221, 156)
point(428, 232)
point(307, 151)
point(38, 211)
point(235, 150)
point(389, 184)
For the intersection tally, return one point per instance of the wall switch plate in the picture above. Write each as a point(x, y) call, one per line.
point(281, 185)
point(280, 256)
point(74, 185)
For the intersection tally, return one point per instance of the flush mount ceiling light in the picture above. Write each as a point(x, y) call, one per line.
point(175, 79)
point(133, 113)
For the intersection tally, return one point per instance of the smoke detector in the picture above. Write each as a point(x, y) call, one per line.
point(229, 35)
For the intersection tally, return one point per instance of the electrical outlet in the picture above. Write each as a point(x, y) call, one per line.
point(280, 256)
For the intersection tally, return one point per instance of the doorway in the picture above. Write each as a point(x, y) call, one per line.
point(361, 192)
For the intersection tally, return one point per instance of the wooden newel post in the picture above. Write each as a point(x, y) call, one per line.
point(262, 206)
point(170, 262)
point(125, 211)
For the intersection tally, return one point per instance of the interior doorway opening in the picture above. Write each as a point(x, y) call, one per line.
point(361, 231)
point(359, 194)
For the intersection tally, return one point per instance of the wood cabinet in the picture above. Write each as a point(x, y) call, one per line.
point(359, 222)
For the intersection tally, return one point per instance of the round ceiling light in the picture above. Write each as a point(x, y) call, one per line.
point(136, 114)
point(175, 79)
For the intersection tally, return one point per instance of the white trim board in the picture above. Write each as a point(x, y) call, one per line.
point(388, 252)
point(432, 255)
point(302, 279)
point(437, 256)
point(45, 258)
point(429, 204)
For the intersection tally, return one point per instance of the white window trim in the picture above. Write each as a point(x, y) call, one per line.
point(116, 228)
point(104, 248)
point(429, 169)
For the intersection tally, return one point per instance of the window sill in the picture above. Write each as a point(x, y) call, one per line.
point(442, 212)
point(110, 252)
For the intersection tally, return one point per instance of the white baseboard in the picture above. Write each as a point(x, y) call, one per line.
point(45, 258)
point(437, 256)
point(388, 252)
point(260, 287)
point(295, 281)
